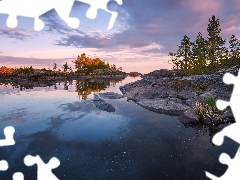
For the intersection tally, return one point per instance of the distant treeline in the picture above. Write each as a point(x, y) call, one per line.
point(206, 55)
point(83, 66)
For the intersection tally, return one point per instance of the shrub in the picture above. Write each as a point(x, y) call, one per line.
point(208, 109)
point(211, 101)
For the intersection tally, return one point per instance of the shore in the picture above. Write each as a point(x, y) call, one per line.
point(70, 77)
point(166, 92)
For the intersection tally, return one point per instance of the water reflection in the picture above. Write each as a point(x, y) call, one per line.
point(202, 129)
point(129, 143)
point(83, 87)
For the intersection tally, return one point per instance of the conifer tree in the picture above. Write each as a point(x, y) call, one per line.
point(234, 47)
point(199, 54)
point(65, 68)
point(174, 60)
point(215, 44)
point(54, 67)
point(185, 54)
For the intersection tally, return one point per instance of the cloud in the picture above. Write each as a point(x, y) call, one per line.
point(159, 21)
point(204, 5)
point(15, 33)
point(153, 50)
point(53, 24)
point(11, 61)
point(143, 30)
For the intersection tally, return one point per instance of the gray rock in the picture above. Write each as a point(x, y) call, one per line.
point(186, 94)
point(163, 105)
point(189, 116)
point(170, 92)
point(96, 97)
point(211, 122)
point(111, 95)
point(102, 105)
point(227, 114)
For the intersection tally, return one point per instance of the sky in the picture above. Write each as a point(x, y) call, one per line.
point(143, 34)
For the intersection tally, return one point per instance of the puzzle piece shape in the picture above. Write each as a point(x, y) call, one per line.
point(35, 8)
point(101, 4)
point(3, 165)
point(233, 172)
point(232, 130)
point(44, 170)
point(8, 132)
point(18, 176)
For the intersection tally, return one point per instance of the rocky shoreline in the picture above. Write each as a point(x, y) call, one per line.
point(61, 78)
point(168, 92)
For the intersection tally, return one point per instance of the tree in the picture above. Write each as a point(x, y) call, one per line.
point(234, 47)
point(86, 65)
point(54, 67)
point(199, 54)
point(185, 54)
point(65, 68)
point(79, 63)
point(216, 51)
point(174, 60)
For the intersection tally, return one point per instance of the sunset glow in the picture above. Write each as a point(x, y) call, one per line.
point(140, 40)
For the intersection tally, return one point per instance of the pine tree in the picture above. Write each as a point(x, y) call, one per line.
point(65, 68)
point(185, 54)
point(54, 67)
point(199, 54)
point(215, 44)
point(234, 47)
point(174, 60)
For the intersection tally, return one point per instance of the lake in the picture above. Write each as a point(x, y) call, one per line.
point(130, 143)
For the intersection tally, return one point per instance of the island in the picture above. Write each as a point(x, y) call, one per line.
point(191, 88)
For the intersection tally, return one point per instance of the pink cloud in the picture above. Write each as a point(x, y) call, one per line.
point(212, 6)
point(15, 33)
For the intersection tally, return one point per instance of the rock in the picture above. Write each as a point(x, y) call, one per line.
point(111, 95)
point(227, 114)
point(186, 94)
point(96, 97)
point(170, 92)
point(102, 105)
point(164, 105)
point(211, 122)
point(190, 102)
point(189, 116)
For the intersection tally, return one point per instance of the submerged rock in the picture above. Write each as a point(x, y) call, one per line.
point(102, 105)
point(166, 106)
point(111, 95)
point(189, 116)
point(96, 97)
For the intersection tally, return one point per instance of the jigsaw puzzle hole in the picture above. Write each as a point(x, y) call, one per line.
point(12, 22)
point(18, 176)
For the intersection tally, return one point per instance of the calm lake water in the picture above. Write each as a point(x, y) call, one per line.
point(130, 143)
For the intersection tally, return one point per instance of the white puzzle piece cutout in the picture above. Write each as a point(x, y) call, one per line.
point(18, 176)
point(36, 8)
point(8, 132)
point(44, 170)
point(232, 172)
point(232, 131)
point(3, 165)
point(101, 4)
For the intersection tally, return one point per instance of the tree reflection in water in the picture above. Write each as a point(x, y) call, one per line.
point(85, 88)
